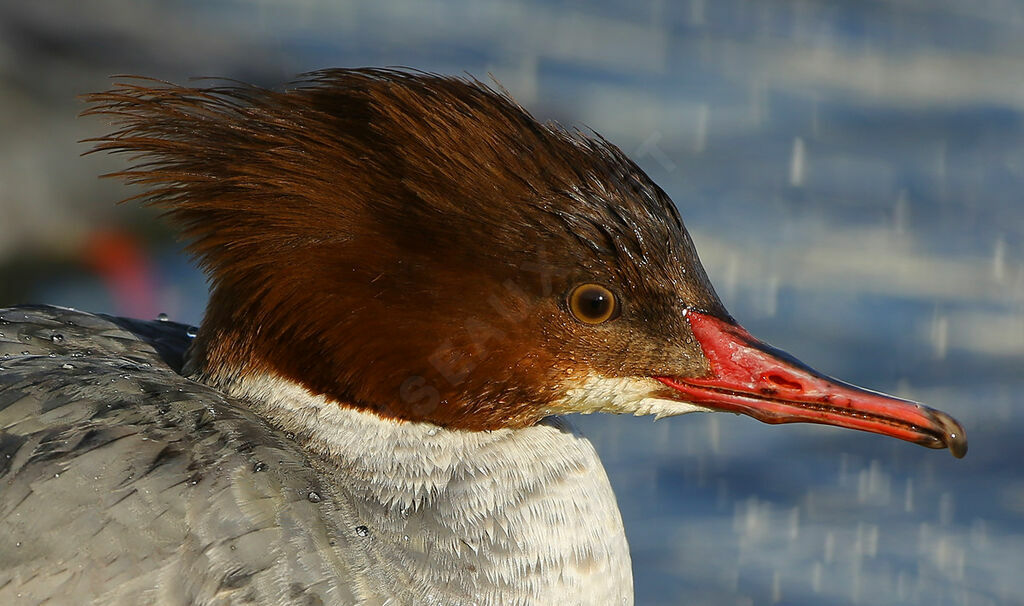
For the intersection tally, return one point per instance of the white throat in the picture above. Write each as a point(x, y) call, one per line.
point(521, 516)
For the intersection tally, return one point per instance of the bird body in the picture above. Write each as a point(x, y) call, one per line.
point(141, 486)
point(412, 281)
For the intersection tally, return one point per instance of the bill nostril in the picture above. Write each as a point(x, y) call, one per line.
point(783, 382)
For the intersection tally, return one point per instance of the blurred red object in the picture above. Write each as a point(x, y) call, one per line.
point(123, 264)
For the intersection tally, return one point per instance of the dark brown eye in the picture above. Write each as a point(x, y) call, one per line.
point(592, 304)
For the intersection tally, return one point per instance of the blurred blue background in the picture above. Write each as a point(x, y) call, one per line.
point(852, 173)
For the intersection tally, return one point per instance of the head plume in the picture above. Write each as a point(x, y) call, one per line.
point(341, 220)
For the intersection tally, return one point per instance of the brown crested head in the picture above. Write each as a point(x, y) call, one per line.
point(420, 246)
point(407, 242)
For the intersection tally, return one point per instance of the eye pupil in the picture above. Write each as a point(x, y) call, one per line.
point(592, 303)
point(596, 302)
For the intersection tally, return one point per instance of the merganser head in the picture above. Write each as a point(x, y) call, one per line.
point(421, 247)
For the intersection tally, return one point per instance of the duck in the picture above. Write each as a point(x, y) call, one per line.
point(413, 282)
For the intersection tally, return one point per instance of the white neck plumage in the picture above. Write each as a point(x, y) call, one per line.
point(521, 516)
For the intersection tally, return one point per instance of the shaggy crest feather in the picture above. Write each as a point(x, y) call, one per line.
point(372, 184)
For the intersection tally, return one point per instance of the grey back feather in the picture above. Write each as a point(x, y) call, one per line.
point(122, 482)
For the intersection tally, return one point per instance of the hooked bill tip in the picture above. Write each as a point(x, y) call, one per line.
point(953, 436)
point(957, 445)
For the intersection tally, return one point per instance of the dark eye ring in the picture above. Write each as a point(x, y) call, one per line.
point(593, 304)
